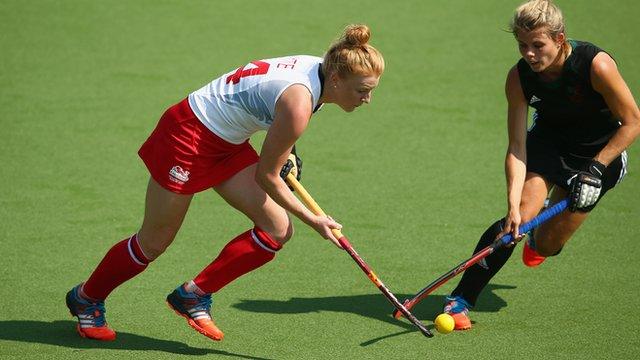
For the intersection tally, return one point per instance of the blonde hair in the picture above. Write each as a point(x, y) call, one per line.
point(534, 14)
point(352, 54)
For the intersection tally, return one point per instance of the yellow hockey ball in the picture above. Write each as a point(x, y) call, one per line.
point(444, 323)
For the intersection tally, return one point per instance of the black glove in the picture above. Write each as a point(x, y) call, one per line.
point(292, 165)
point(586, 186)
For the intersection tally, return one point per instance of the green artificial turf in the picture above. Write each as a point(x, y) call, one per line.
point(415, 178)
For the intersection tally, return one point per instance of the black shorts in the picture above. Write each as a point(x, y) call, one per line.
point(546, 158)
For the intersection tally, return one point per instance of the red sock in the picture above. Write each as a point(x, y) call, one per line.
point(247, 252)
point(122, 262)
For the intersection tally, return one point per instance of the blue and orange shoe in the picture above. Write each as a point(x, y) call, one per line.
point(91, 321)
point(458, 308)
point(197, 310)
point(530, 256)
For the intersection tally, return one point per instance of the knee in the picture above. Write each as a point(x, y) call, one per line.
point(280, 231)
point(284, 233)
point(154, 243)
point(547, 248)
point(528, 211)
point(543, 251)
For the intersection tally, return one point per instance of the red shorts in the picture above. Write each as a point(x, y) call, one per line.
point(185, 157)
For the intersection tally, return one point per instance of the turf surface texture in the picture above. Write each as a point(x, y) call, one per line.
point(415, 177)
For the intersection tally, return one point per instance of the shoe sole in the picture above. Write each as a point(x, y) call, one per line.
point(194, 325)
point(463, 328)
point(82, 334)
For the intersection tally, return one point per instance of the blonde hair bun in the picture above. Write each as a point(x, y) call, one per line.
point(352, 54)
point(356, 35)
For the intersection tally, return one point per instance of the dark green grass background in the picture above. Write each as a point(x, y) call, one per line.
point(415, 178)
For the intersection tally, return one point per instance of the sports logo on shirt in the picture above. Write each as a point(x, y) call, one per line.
point(534, 99)
point(179, 175)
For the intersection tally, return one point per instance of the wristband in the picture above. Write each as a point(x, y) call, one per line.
point(596, 168)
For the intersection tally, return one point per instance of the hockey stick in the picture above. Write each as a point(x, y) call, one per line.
point(503, 241)
point(344, 242)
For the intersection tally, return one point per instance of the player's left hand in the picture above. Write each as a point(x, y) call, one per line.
point(586, 186)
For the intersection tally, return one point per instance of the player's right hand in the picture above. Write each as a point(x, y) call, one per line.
point(323, 225)
point(512, 225)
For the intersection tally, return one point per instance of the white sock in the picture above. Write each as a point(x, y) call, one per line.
point(190, 286)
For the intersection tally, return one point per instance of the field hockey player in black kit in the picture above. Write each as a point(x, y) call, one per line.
point(584, 118)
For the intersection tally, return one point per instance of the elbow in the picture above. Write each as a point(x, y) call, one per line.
point(636, 128)
point(631, 128)
point(518, 151)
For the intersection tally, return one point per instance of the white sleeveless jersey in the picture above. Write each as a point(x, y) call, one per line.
point(242, 102)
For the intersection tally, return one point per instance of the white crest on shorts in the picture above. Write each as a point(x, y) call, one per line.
point(179, 175)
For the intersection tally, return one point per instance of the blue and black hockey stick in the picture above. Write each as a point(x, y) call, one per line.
point(503, 241)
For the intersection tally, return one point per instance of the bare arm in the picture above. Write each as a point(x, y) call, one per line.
point(292, 113)
point(606, 80)
point(516, 158)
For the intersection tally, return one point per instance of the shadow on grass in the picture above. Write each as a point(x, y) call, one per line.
point(63, 333)
point(374, 306)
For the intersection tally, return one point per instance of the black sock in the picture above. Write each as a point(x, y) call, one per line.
point(477, 277)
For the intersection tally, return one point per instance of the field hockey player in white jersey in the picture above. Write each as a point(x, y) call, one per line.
point(202, 143)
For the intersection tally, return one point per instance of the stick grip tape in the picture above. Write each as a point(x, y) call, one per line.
point(547, 214)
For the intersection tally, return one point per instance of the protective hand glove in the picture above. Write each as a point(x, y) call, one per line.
point(586, 186)
point(292, 165)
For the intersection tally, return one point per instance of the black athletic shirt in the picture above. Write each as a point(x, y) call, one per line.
point(570, 113)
